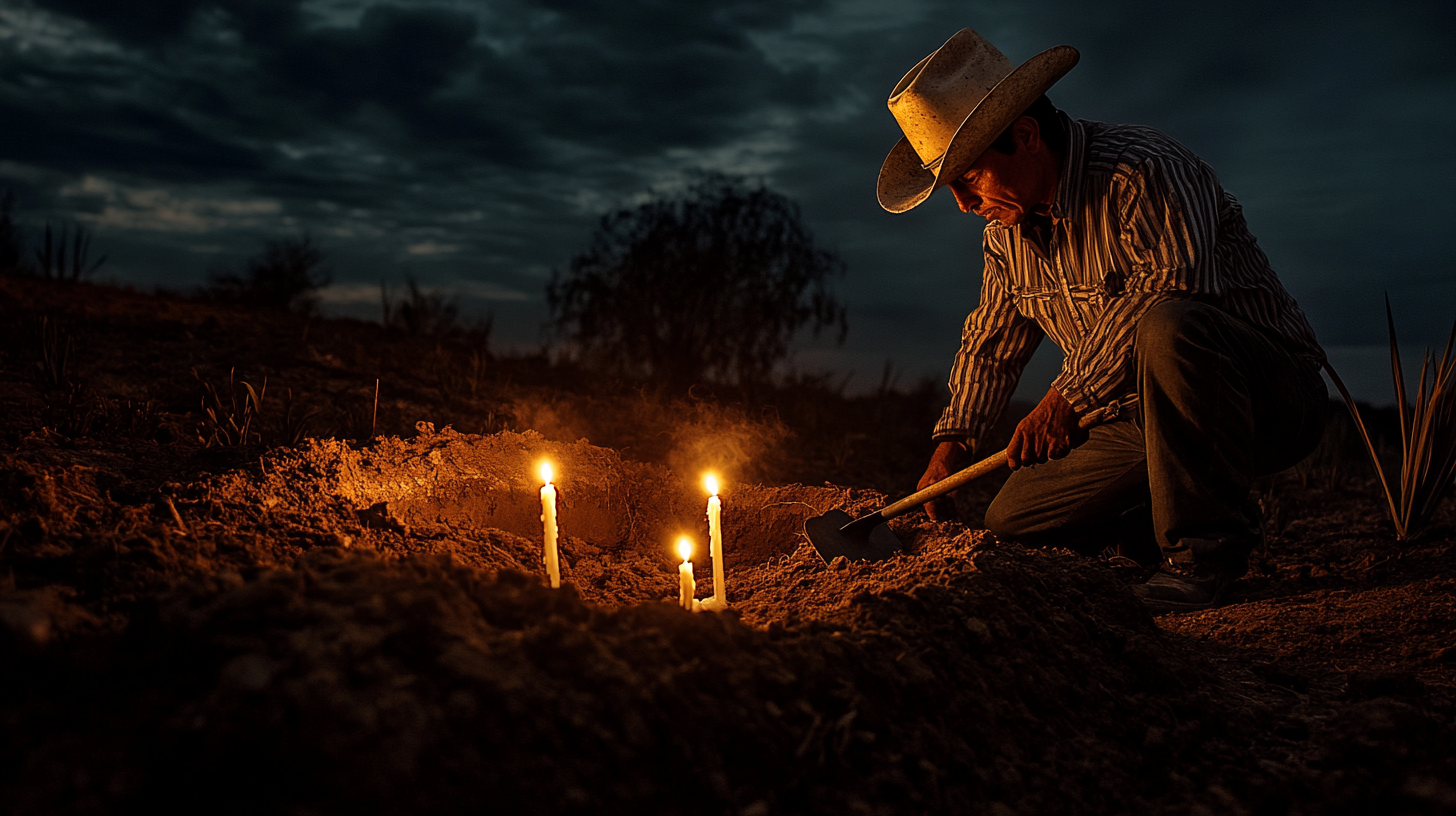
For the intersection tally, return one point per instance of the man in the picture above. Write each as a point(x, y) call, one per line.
point(1192, 365)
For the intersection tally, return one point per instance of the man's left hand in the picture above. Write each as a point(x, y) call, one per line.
point(1050, 431)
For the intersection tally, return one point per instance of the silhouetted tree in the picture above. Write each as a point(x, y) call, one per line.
point(711, 283)
point(285, 276)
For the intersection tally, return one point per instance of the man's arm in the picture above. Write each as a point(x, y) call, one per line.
point(1169, 218)
point(996, 343)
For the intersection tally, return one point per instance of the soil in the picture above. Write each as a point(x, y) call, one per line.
point(336, 625)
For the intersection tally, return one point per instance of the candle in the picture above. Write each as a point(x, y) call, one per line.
point(687, 587)
point(715, 542)
point(548, 519)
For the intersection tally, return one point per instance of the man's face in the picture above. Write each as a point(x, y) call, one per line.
point(999, 187)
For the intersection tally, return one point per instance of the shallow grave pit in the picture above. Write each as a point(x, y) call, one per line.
point(618, 518)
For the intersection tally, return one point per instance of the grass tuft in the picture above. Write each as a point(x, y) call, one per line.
point(55, 355)
point(231, 421)
point(295, 420)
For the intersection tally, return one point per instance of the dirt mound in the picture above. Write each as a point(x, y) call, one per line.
point(416, 684)
point(340, 628)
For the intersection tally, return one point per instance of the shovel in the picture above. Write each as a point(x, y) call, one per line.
point(868, 539)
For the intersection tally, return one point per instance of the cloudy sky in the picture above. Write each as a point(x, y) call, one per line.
point(474, 143)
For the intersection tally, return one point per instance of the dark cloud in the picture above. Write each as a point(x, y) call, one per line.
point(396, 57)
point(652, 25)
point(148, 23)
point(121, 138)
point(475, 143)
point(641, 78)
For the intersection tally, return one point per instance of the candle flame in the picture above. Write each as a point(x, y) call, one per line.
point(685, 548)
point(711, 482)
point(546, 472)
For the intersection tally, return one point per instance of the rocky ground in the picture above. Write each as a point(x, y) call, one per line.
point(339, 611)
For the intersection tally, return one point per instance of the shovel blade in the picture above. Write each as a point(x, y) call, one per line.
point(830, 540)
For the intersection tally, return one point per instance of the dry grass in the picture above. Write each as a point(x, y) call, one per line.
point(192, 368)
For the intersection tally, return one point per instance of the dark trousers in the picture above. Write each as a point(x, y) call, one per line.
point(1220, 404)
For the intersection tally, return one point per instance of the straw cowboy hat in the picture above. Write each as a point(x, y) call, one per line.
point(952, 106)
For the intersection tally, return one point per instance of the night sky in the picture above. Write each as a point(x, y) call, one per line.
point(475, 144)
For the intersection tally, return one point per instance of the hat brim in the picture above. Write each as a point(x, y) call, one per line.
point(904, 182)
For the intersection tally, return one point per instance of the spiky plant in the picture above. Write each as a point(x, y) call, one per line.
point(230, 421)
point(52, 257)
point(1427, 436)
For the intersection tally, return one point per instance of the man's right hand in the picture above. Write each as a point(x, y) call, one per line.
point(948, 458)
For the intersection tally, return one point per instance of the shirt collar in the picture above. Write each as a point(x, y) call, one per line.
point(1069, 188)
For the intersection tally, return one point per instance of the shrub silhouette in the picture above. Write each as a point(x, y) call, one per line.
point(284, 276)
point(65, 255)
point(708, 284)
point(418, 312)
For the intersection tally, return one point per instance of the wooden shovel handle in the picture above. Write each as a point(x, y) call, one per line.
point(946, 485)
point(994, 462)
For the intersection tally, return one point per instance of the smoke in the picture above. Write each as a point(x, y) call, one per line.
point(689, 436)
point(552, 418)
point(723, 440)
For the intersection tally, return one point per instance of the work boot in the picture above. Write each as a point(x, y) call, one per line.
point(1192, 577)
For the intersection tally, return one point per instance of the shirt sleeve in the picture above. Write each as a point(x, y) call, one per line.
point(996, 343)
point(1168, 214)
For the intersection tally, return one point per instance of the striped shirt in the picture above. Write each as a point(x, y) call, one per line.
point(1138, 219)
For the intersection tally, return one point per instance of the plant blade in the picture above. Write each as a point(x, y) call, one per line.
point(1399, 375)
point(1369, 445)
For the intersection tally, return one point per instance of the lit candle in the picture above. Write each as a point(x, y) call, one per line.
point(687, 587)
point(715, 542)
point(548, 519)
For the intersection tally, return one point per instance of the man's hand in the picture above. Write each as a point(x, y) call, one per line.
point(948, 458)
point(1049, 432)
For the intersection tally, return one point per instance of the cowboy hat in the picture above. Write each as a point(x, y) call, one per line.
point(952, 106)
